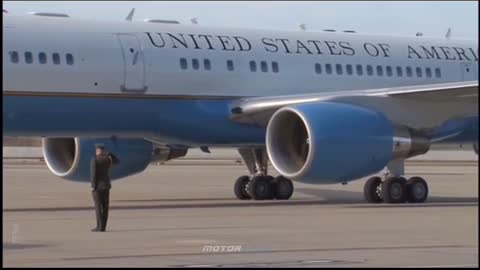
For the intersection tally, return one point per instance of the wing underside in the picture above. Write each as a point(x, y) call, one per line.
point(423, 107)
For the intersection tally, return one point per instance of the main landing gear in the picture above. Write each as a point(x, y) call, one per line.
point(395, 189)
point(260, 186)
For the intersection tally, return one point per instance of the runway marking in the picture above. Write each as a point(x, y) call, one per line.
point(18, 246)
point(270, 264)
point(195, 241)
point(319, 261)
point(461, 202)
point(271, 251)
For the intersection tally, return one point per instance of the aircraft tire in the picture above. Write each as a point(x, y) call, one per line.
point(283, 188)
point(417, 190)
point(394, 190)
point(372, 190)
point(240, 188)
point(260, 188)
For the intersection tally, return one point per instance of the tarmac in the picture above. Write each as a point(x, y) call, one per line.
point(184, 214)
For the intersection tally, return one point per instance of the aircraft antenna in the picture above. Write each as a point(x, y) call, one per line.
point(130, 15)
point(194, 20)
point(449, 33)
point(302, 26)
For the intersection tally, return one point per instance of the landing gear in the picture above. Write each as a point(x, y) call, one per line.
point(417, 190)
point(395, 189)
point(263, 188)
point(283, 188)
point(240, 188)
point(260, 186)
point(373, 190)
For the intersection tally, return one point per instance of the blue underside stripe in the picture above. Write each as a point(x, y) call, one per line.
point(176, 121)
point(179, 121)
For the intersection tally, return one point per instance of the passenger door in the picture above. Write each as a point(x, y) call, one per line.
point(134, 64)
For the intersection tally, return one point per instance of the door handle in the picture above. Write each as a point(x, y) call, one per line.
point(135, 58)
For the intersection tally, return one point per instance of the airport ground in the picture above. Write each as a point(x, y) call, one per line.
point(166, 216)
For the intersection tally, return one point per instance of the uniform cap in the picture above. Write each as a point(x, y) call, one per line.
point(100, 146)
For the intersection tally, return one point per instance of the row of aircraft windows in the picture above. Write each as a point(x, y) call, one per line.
point(339, 69)
point(41, 57)
point(377, 70)
point(263, 66)
point(195, 64)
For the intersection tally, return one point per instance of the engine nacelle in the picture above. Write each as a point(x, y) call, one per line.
point(70, 158)
point(332, 142)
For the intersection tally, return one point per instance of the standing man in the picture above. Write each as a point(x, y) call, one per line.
point(100, 178)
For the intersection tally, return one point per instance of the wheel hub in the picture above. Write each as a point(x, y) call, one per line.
point(396, 191)
point(282, 188)
point(245, 188)
point(379, 190)
point(261, 189)
point(419, 190)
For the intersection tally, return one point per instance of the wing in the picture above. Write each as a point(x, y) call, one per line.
point(427, 105)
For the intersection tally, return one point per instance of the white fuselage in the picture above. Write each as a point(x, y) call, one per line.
point(146, 58)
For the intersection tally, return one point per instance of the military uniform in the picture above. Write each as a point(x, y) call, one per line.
point(100, 179)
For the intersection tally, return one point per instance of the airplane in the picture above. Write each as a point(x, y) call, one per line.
point(325, 107)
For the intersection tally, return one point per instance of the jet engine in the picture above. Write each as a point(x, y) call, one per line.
point(331, 142)
point(70, 158)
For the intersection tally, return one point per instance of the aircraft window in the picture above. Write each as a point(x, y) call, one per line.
point(28, 57)
point(42, 58)
point(349, 69)
point(370, 70)
point(318, 68)
point(389, 71)
point(195, 64)
point(399, 71)
point(230, 65)
point(207, 64)
point(253, 66)
point(359, 70)
point(56, 59)
point(428, 72)
point(264, 66)
point(183, 63)
point(419, 72)
point(379, 70)
point(409, 72)
point(438, 74)
point(275, 67)
point(69, 59)
point(328, 68)
point(339, 69)
point(14, 57)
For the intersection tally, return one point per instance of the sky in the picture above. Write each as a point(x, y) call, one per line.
point(432, 18)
